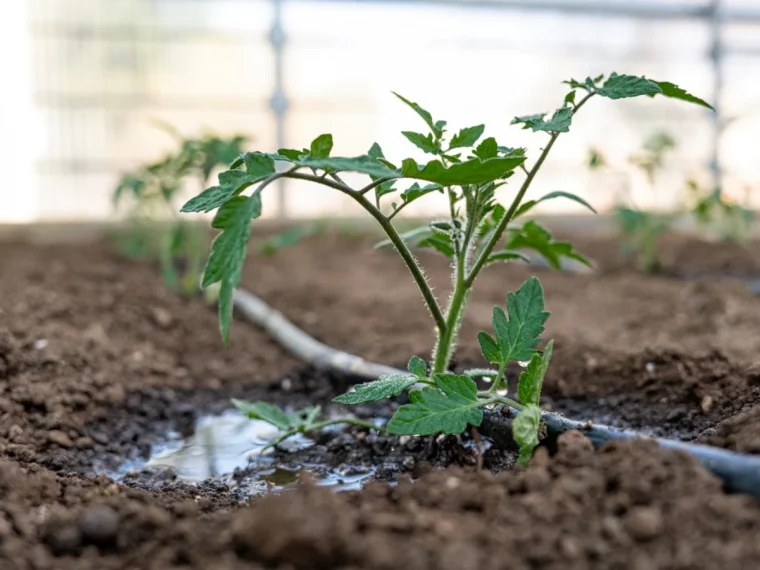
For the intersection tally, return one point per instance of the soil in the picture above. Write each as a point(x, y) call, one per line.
point(98, 362)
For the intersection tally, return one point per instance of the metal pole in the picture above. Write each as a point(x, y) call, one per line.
point(716, 58)
point(279, 101)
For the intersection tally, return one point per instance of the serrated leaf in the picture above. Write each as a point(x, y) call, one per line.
point(416, 191)
point(625, 86)
point(446, 409)
point(437, 128)
point(487, 149)
point(423, 142)
point(290, 154)
point(417, 367)
point(265, 412)
point(534, 236)
point(364, 164)
point(467, 137)
point(530, 204)
point(473, 171)
point(489, 347)
point(258, 166)
point(322, 146)
point(225, 262)
point(507, 256)
point(675, 92)
point(226, 211)
point(525, 431)
point(559, 123)
point(532, 378)
point(380, 389)
point(518, 333)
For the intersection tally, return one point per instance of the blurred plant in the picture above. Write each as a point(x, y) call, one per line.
point(152, 191)
point(640, 228)
point(479, 231)
point(714, 212)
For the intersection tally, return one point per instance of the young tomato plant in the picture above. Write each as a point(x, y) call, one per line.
point(153, 189)
point(642, 228)
point(728, 220)
point(479, 231)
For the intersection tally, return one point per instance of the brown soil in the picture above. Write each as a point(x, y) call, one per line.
point(97, 362)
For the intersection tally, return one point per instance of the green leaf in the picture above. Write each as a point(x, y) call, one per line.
point(466, 137)
point(518, 334)
point(489, 347)
point(530, 204)
point(534, 236)
point(675, 92)
point(559, 123)
point(445, 409)
point(440, 242)
point(423, 142)
point(417, 367)
point(532, 379)
point(624, 86)
point(225, 262)
point(525, 431)
point(507, 256)
point(258, 166)
point(226, 211)
point(437, 128)
point(364, 164)
point(380, 389)
point(322, 146)
point(570, 98)
point(290, 155)
point(487, 149)
point(473, 171)
point(265, 412)
point(415, 191)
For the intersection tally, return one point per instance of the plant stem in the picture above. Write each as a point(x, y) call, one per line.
point(390, 231)
point(499, 230)
point(348, 421)
point(497, 380)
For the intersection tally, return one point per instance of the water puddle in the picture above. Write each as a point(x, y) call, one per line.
point(230, 448)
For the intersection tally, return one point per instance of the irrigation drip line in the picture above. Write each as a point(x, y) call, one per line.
point(739, 472)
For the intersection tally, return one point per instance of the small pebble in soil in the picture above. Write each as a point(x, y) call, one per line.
point(60, 438)
point(643, 523)
point(707, 404)
point(99, 525)
point(63, 538)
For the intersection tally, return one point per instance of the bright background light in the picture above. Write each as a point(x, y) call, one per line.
point(85, 78)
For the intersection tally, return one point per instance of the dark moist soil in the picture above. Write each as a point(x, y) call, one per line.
point(98, 362)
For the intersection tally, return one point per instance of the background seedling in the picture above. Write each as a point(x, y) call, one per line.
point(479, 231)
point(150, 194)
point(714, 212)
point(641, 228)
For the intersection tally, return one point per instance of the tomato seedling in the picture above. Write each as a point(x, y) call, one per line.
point(479, 231)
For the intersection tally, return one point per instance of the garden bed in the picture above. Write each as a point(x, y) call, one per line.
point(99, 363)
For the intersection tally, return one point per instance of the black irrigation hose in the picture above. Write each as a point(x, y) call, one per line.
point(739, 472)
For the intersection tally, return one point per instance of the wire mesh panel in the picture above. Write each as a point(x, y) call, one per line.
point(284, 71)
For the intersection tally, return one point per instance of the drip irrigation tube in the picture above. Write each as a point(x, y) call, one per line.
point(739, 472)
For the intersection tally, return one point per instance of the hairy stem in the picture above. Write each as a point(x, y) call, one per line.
point(447, 339)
